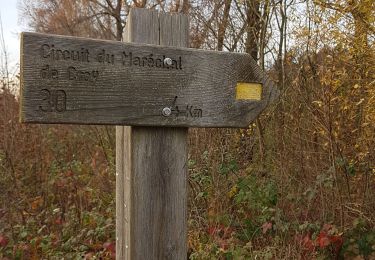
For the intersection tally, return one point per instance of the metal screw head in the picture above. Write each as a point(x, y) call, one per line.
point(166, 111)
point(168, 61)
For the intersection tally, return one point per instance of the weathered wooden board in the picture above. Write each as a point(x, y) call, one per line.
point(85, 81)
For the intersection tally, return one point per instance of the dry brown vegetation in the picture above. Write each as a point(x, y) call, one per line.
point(298, 183)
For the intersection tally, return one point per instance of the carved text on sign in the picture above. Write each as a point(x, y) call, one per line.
point(53, 100)
point(150, 61)
point(48, 51)
point(104, 57)
point(82, 75)
point(53, 53)
point(185, 110)
point(72, 73)
point(48, 73)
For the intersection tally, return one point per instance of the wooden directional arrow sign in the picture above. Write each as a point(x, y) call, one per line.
point(85, 81)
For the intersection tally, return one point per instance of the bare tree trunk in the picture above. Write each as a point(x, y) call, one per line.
point(253, 28)
point(223, 25)
point(256, 28)
point(262, 38)
point(117, 15)
point(281, 23)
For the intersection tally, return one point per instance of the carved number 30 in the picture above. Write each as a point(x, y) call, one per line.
point(53, 100)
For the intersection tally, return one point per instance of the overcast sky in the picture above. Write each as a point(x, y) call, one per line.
point(11, 30)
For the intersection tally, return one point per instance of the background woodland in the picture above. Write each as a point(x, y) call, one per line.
point(298, 183)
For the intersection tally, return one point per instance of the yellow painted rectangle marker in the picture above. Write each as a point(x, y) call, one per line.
point(248, 91)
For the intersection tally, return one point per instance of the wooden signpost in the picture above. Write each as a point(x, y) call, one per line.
point(86, 81)
point(152, 82)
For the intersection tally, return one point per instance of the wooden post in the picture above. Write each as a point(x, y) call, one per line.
point(151, 164)
point(89, 81)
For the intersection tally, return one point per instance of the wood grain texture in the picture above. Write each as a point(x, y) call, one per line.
point(123, 192)
point(159, 196)
point(85, 81)
point(151, 172)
